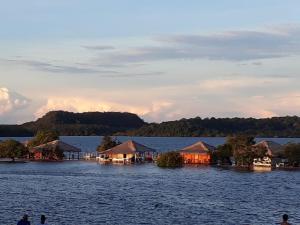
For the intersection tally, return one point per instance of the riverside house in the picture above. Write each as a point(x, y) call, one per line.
point(198, 153)
point(55, 150)
point(270, 160)
point(128, 152)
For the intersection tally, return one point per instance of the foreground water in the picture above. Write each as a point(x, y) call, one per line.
point(90, 193)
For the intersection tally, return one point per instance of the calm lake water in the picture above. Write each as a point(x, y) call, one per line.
point(90, 193)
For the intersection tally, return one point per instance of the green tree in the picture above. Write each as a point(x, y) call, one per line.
point(259, 151)
point(53, 153)
point(292, 153)
point(107, 143)
point(43, 137)
point(224, 153)
point(13, 149)
point(242, 149)
point(170, 160)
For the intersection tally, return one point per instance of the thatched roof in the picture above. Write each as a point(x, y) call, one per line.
point(199, 147)
point(128, 147)
point(272, 147)
point(57, 143)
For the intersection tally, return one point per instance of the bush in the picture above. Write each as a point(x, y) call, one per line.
point(170, 160)
point(43, 137)
point(13, 149)
point(107, 143)
point(242, 149)
point(292, 153)
point(223, 154)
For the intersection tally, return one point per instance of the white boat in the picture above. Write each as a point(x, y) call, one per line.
point(102, 159)
point(263, 164)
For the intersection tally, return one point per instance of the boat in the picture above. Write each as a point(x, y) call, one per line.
point(102, 159)
point(263, 164)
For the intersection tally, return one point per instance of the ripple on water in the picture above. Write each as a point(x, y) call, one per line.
point(89, 193)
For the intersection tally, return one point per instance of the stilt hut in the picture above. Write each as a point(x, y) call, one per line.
point(198, 153)
point(55, 150)
point(270, 159)
point(128, 152)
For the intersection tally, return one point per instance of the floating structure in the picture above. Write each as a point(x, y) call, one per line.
point(270, 160)
point(198, 153)
point(128, 152)
point(55, 150)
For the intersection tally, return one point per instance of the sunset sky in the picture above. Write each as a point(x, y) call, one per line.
point(163, 60)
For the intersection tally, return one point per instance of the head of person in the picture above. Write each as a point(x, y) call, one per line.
point(25, 217)
point(43, 219)
point(285, 217)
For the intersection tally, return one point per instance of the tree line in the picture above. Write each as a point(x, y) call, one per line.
point(222, 127)
point(128, 124)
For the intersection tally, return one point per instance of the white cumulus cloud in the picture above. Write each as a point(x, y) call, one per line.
point(10, 101)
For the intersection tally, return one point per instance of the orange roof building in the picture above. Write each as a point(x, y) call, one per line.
point(198, 153)
point(129, 152)
point(47, 151)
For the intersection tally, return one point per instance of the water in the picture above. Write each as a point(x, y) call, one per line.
point(90, 193)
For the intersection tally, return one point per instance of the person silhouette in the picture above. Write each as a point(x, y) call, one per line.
point(285, 218)
point(43, 220)
point(24, 220)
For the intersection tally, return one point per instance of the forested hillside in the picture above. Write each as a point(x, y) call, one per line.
point(68, 124)
point(116, 123)
point(270, 127)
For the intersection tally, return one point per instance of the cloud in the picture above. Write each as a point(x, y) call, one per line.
point(239, 45)
point(98, 47)
point(82, 68)
point(56, 68)
point(134, 75)
point(11, 101)
point(221, 85)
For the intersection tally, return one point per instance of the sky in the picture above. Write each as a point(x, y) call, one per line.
point(163, 60)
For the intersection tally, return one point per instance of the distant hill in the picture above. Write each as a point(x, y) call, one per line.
point(117, 123)
point(211, 127)
point(68, 124)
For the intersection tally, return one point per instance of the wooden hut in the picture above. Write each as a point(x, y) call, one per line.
point(128, 152)
point(198, 153)
point(270, 159)
point(272, 147)
point(55, 150)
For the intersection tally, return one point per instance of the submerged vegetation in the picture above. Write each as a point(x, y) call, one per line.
point(170, 160)
point(13, 149)
point(292, 153)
